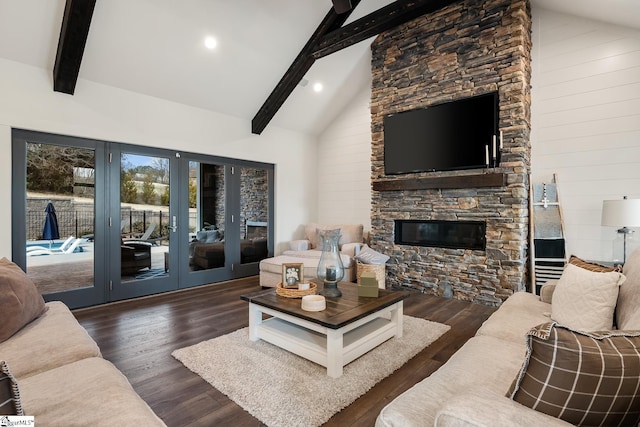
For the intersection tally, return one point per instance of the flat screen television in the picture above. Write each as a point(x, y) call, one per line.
point(449, 136)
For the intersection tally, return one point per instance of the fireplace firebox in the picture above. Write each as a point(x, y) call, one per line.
point(441, 234)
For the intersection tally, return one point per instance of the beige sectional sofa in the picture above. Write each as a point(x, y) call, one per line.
point(62, 378)
point(471, 388)
point(307, 251)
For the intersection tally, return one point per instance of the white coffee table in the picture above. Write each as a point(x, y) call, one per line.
point(349, 327)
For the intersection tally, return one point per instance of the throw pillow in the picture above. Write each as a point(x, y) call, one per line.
point(628, 308)
point(582, 378)
point(311, 234)
point(593, 266)
point(584, 300)
point(212, 236)
point(20, 301)
point(207, 236)
point(9, 393)
point(299, 245)
point(370, 256)
point(349, 233)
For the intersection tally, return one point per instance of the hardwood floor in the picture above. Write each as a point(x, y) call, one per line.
point(139, 335)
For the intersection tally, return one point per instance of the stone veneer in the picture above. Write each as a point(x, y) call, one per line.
point(470, 48)
point(254, 196)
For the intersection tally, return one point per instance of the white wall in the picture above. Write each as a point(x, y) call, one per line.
point(107, 113)
point(344, 165)
point(586, 121)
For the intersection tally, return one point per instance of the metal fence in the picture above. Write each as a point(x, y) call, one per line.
point(81, 222)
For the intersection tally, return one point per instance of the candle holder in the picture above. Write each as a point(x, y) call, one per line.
point(330, 268)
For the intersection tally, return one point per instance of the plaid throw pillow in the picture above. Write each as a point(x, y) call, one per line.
point(594, 266)
point(9, 394)
point(582, 378)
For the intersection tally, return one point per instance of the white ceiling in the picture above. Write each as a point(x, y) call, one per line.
point(155, 47)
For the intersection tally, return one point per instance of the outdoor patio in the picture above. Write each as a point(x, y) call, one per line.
point(60, 271)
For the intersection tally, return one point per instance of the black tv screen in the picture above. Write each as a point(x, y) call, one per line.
point(448, 136)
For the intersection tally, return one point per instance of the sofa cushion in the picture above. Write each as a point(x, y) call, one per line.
point(628, 308)
point(582, 378)
point(515, 317)
point(9, 394)
point(53, 339)
point(585, 300)
point(20, 301)
point(465, 370)
point(371, 256)
point(469, 409)
point(89, 392)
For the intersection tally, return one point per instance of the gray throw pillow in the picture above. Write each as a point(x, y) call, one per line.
point(212, 236)
point(370, 256)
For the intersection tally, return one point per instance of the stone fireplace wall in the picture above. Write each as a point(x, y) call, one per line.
point(470, 48)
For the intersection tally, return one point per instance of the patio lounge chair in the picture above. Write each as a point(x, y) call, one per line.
point(41, 250)
point(65, 245)
point(146, 237)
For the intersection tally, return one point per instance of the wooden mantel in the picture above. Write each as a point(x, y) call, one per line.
point(482, 180)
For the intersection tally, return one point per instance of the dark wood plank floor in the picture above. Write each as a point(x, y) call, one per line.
point(139, 335)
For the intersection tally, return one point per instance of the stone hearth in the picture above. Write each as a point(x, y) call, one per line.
point(467, 49)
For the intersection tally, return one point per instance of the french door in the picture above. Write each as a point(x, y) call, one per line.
point(134, 220)
point(59, 208)
point(143, 215)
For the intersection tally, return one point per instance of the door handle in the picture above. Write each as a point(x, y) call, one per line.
point(174, 224)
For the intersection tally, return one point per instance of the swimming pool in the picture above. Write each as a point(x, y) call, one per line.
point(47, 245)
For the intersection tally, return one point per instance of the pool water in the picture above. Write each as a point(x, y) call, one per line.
point(46, 244)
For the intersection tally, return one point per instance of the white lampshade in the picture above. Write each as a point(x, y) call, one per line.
point(621, 213)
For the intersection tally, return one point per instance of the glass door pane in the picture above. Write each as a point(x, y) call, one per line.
point(144, 217)
point(60, 217)
point(207, 216)
point(254, 214)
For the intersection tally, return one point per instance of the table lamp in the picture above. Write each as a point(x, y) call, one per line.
point(622, 213)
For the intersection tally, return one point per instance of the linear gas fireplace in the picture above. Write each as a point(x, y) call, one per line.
point(441, 234)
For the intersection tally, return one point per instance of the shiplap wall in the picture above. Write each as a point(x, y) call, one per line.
point(586, 121)
point(344, 166)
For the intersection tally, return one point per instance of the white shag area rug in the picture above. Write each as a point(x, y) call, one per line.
point(282, 389)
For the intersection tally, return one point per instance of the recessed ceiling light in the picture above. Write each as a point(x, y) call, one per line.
point(210, 42)
point(317, 87)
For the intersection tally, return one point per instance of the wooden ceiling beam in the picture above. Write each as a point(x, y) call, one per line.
point(301, 64)
point(73, 38)
point(381, 20)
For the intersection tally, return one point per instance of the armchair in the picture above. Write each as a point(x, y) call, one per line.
point(134, 256)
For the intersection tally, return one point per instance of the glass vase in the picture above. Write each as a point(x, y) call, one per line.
point(330, 268)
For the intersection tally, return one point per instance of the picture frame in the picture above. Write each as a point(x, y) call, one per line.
point(292, 274)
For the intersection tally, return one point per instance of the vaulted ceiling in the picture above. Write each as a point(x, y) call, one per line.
point(156, 48)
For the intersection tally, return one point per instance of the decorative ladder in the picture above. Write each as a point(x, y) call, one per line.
point(547, 238)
